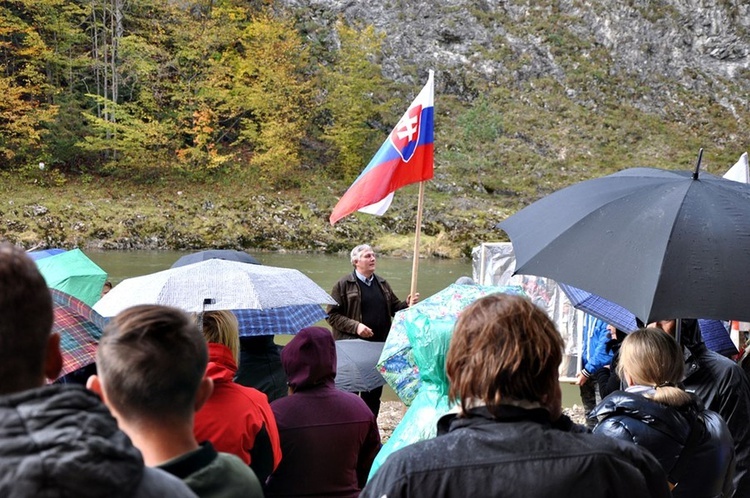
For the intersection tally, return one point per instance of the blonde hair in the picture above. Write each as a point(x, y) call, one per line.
point(221, 327)
point(651, 357)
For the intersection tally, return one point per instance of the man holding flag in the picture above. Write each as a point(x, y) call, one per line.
point(366, 302)
point(365, 306)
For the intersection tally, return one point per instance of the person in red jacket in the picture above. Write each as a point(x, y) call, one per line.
point(236, 419)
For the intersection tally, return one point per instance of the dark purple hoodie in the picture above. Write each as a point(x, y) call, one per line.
point(329, 438)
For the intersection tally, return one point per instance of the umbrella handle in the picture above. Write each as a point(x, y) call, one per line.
point(206, 301)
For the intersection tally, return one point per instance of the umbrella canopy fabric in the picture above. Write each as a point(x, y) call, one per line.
point(717, 338)
point(662, 244)
point(80, 328)
point(74, 273)
point(431, 402)
point(44, 253)
point(215, 284)
point(226, 254)
point(282, 320)
point(397, 363)
point(597, 306)
point(713, 332)
point(355, 365)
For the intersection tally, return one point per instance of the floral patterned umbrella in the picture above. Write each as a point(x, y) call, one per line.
point(396, 363)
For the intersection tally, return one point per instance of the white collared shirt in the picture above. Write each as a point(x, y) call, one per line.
point(365, 280)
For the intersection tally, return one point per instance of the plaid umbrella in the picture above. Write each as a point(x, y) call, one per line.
point(282, 320)
point(716, 336)
point(80, 328)
point(713, 332)
point(601, 308)
point(396, 363)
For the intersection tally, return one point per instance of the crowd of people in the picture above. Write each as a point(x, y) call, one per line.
point(164, 414)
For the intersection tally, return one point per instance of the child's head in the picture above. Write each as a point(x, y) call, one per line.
point(151, 363)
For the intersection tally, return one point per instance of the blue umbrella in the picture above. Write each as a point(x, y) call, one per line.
point(45, 253)
point(716, 337)
point(601, 308)
point(282, 320)
point(714, 332)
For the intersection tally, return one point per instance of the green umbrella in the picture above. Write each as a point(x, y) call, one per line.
point(74, 273)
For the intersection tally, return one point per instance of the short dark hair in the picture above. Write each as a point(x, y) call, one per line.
point(503, 348)
point(25, 320)
point(151, 360)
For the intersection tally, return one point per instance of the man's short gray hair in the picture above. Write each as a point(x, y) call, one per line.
point(357, 252)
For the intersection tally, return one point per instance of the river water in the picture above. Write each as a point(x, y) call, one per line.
point(323, 269)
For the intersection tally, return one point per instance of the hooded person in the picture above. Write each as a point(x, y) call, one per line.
point(236, 419)
point(329, 438)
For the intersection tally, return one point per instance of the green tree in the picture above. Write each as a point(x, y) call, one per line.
point(24, 106)
point(356, 98)
point(270, 96)
point(137, 142)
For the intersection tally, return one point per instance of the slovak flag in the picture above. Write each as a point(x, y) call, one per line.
point(405, 157)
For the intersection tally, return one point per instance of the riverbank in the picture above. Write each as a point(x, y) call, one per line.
point(94, 213)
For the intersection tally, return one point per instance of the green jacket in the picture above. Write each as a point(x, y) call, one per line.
point(214, 475)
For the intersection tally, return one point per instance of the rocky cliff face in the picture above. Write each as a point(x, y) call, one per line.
point(653, 50)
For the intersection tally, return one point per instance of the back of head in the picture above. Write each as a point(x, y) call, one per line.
point(221, 327)
point(503, 349)
point(151, 360)
point(309, 359)
point(25, 321)
point(651, 357)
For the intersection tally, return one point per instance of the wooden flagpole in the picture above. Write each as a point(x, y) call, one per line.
point(417, 231)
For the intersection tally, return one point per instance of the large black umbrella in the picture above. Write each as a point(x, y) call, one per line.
point(226, 254)
point(662, 244)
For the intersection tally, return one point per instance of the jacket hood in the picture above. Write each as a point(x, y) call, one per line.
point(309, 359)
point(60, 440)
point(221, 365)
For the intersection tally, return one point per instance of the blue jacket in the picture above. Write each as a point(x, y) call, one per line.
point(594, 348)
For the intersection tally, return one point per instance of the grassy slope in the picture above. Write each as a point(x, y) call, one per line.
point(499, 146)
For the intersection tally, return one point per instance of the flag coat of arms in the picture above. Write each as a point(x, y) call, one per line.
point(405, 157)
